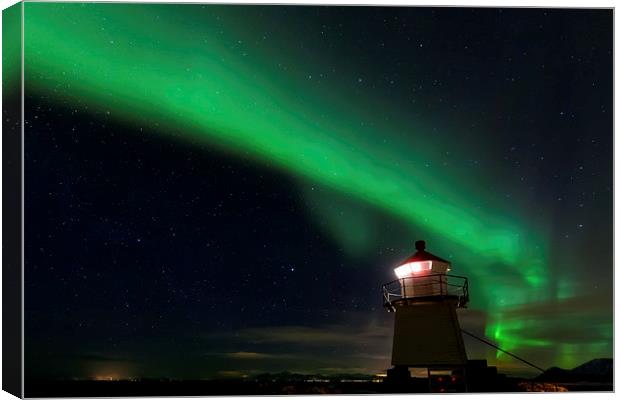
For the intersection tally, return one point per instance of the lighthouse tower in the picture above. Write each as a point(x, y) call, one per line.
point(424, 299)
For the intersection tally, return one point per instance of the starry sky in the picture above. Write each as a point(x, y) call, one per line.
point(221, 191)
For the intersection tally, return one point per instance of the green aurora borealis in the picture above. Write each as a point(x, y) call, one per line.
point(205, 75)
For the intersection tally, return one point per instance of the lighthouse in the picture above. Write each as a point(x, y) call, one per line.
point(424, 299)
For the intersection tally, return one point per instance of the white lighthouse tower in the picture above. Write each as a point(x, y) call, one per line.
point(424, 298)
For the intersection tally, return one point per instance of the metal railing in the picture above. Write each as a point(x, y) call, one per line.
point(426, 286)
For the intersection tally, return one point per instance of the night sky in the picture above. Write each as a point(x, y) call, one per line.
point(221, 191)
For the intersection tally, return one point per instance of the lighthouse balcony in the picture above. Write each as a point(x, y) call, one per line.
point(423, 288)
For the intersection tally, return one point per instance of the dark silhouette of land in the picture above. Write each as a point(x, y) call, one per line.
point(125, 388)
point(595, 375)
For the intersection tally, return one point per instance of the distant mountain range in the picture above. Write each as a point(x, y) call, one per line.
point(286, 376)
point(597, 370)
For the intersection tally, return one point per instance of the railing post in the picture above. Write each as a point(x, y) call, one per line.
point(467, 288)
point(440, 284)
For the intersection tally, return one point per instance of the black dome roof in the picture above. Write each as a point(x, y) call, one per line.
point(422, 255)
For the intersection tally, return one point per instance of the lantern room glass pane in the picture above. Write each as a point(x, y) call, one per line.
point(413, 268)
